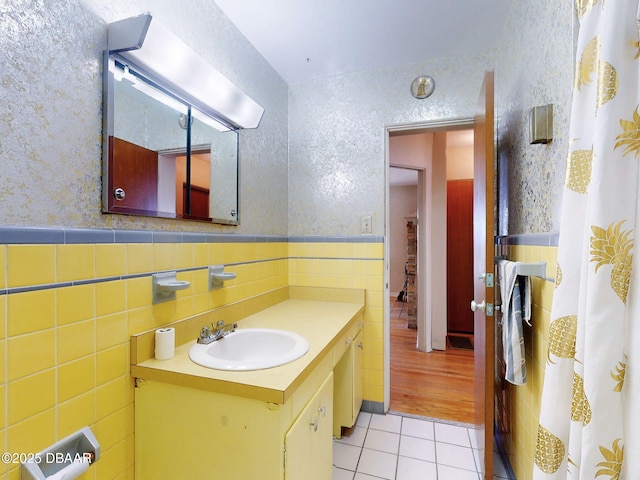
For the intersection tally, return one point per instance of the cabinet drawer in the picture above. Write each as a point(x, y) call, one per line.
point(343, 344)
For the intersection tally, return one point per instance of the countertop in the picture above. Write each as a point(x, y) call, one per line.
point(322, 323)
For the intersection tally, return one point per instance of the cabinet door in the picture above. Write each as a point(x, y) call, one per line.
point(309, 441)
point(347, 395)
point(357, 377)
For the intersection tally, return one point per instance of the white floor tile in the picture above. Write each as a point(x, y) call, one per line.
point(413, 469)
point(353, 436)
point(473, 436)
point(415, 427)
point(419, 448)
point(476, 456)
point(451, 473)
point(388, 423)
point(363, 419)
point(382, 441)
point(340, 474)
point(346, 456)
point(393, 447)
point(452, 434)
point(455, 456)
point(378, 464)
point(362, 476)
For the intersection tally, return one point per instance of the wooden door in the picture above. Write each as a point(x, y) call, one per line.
point(134, 169)
point(459, 255)
point(483, 248)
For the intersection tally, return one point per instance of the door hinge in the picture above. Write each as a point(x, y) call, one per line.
point(489, 310)
point(489, 280)
point(284, 457)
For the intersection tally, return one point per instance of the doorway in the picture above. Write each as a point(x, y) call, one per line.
point(427, 375)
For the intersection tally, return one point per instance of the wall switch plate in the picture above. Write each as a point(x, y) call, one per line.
point(366, 223)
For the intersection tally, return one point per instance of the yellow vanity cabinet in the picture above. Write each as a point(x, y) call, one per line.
point(196, 423)
point(347, 393)
point(184, 432)
point(309, 442)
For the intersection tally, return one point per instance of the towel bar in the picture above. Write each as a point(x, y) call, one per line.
point(534, 269)
point(538, 269)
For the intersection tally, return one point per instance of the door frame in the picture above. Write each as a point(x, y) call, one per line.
point(423, 268)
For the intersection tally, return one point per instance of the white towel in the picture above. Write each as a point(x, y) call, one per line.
point(515, 291)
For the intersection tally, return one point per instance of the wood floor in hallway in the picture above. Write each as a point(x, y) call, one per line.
point(438, 384)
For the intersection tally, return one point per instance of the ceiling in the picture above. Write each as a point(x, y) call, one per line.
point(308, 39)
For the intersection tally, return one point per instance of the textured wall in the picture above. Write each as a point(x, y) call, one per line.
point(51, 118)
point(534, 67)
point(337, 137)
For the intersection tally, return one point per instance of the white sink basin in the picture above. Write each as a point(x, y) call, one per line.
point(250, 349)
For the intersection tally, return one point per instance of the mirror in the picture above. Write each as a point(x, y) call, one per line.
point(163, 157)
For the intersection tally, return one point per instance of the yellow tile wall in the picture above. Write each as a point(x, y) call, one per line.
point(524, 401)
point(65, 346)
point(349, 265)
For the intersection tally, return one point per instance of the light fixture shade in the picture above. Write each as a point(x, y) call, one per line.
point(167, 60)
point(422, 87)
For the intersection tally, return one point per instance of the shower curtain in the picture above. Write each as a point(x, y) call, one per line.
point(590, 409)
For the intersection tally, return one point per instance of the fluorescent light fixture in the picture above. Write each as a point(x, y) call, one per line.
point(146, 88)
point(160, 96)
point(207, 120)
point(159, 55)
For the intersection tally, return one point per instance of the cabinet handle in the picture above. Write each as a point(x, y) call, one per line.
point(322, 410)
point(314, 424)
point(360, 346)
point(347, 341)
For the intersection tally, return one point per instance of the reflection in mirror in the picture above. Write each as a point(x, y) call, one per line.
point(223, 162)
point(165, 158)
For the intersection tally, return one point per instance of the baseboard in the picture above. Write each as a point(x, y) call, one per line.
point(370, 406)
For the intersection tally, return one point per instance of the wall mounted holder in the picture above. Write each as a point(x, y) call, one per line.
point(165, 286)
point(536, 269)
point(541, 124)
point(67, 459)
point(529, 269)
point(217, 276)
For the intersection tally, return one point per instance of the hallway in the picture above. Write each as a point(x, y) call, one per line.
point(438, 384)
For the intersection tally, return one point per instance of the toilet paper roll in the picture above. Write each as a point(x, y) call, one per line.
point(71, 471)
point(165, 343)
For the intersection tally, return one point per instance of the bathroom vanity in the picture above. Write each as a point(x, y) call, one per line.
point(278, 423)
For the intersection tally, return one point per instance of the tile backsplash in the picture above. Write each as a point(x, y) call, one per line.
point(67, 310)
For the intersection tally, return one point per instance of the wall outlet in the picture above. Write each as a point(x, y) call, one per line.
point(366, 223)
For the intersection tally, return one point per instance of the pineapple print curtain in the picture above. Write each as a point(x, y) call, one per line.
point(590, 410)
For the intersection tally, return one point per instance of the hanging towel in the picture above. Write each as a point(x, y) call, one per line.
point(515, 291)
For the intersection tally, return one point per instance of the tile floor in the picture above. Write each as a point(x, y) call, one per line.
point(398, 447)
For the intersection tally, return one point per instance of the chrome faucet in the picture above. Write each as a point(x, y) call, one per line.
point(216, 332)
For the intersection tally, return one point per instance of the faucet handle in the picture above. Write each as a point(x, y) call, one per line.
point(218, 324)
point(205, 333)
